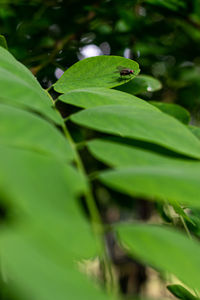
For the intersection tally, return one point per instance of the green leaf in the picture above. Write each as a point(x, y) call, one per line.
point(165, 249)
point(141, 84)
point(120, 155)
point(173, 110)
point(23, 129)
point(41, 245)
point(44, 190)
point(35, 275)
point(3, 42)
point(20, 88)
point(180, 211)
point(155, 173)
point(180, 292)
point(195, 130)
point(92, 97)
point(98, 71)
point(175, 182)
point(142, 124)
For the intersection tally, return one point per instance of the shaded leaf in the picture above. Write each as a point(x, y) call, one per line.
point(173, 110)
point(3, 42)
point(174, 5)
point(141, 84)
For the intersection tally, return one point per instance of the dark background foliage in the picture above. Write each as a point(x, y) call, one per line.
point(162, 36)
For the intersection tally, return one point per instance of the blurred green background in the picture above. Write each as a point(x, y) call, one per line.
point(163, 36)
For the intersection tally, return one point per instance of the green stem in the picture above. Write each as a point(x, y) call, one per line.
point(94, 214)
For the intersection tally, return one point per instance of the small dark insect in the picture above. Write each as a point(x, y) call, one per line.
point(124, 71)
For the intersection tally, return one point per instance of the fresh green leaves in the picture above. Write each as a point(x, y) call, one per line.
point(164, 249)
point(143, 124)
point(47, 234)
point(164, 178)
point(99, 71)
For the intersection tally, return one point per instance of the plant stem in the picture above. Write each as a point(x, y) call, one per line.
point(97, 225)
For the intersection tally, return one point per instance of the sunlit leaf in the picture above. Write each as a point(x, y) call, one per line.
point(98, 71)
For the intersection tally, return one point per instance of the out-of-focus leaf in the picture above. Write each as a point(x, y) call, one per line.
point(98, 71)
point(174, 5)
point(173, 110)
point(42, 243)
point(180, 292)
point(92, 97)
point(180, 211)
point(34, 273)
point(23, 129)
point(142, 124)
point(3, 42)
point(44, 189)
point(141, 84)
point(165, 249)
point(19, 88)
